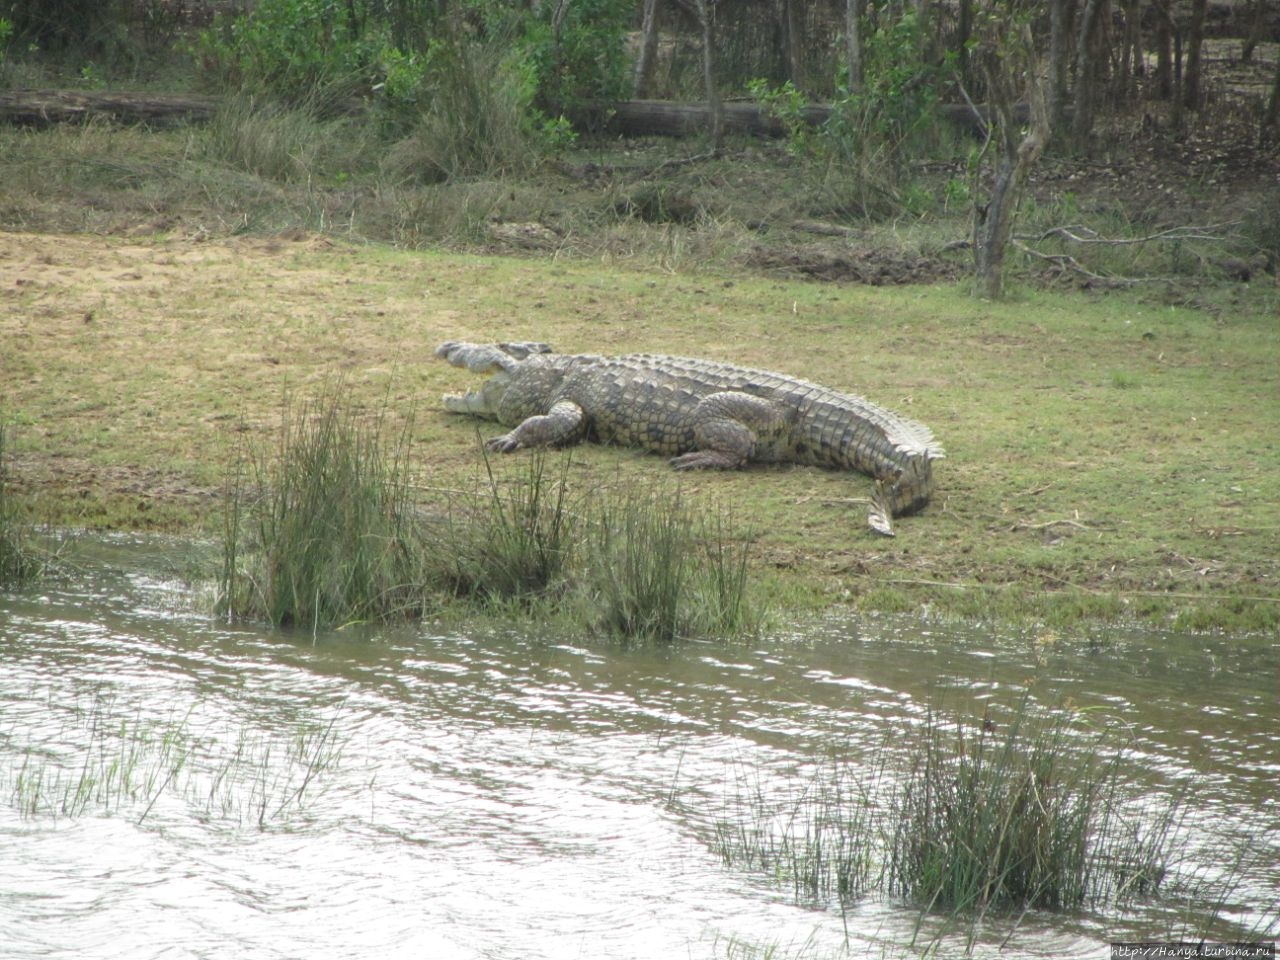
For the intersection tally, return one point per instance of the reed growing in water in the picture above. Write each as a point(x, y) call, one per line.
point(1028, 817)
point(327, 528)
point(20, 560)
point(965, 819)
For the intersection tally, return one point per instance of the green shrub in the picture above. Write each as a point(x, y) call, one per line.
point(467, 111)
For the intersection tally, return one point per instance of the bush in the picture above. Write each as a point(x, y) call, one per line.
point(301, 51)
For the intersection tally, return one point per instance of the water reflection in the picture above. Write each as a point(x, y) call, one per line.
point(504, 794)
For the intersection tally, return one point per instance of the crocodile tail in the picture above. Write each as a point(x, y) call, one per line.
point(880, 515)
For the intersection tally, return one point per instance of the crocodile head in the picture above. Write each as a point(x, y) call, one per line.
point(523, 378)
point(499, 359)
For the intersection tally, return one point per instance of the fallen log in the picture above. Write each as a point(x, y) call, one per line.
point(627, 118)
point(44, 108)
point(667, 118)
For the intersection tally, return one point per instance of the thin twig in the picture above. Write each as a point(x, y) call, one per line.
point(1078, 233)
point(1068, 262)
point(1049, 523)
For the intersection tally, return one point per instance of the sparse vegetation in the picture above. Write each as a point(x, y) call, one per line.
point(961, 819)
point(108, 760)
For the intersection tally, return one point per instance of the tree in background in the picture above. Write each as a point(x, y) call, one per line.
point(1007, 58)
point(58, 25)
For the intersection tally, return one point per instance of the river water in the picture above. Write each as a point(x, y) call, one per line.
point(173, 787)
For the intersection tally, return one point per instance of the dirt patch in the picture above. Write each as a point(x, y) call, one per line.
point(870, 266)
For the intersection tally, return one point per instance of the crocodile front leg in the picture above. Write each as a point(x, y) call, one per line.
point(563, 424)
point(728, 427)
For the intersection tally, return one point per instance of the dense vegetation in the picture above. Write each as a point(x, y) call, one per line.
point(449, 92)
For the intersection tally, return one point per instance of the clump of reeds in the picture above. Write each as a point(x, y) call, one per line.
point(325, 532)
point(1023, 818)
point(1031, 817)
point(513, 541)
point(658, 571)
point(20, 560)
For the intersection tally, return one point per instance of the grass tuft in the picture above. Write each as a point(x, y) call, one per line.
point(21, 562)
point(324, 534)
point(656, 571)
point(513, 541)
point(327, 530)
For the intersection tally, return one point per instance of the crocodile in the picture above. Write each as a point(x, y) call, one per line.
point(700, 413)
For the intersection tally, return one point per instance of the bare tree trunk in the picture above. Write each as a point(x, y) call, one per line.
point(1257, 30)
point(1061, 13)
point(646, 62)
point(1164, 50)
point(1131, 65)
point(993, 224)
point(853, 10)
point(707, 15)
point(1086, 74)
point(793, 41)
point(964, 30)
point(1272, 116)
point(1195, 41)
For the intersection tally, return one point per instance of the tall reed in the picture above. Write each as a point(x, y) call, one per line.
point(658, 571)
point(1026, 818)
point(20, 561)
point(514, 540)
point(963, 821)
point(324, 531)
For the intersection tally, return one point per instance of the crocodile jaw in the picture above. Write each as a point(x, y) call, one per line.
point(483, 402)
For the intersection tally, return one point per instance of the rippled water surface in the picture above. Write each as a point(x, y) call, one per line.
point(170, 787)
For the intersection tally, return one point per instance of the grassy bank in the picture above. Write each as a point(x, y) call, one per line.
point(1109, 456)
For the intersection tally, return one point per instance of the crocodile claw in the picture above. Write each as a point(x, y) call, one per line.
point(503, 444)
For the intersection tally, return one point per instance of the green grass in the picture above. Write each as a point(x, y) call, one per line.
point(22, 562)
point(323, 532)
point(511, 541)
point(657, 570)
point(1109, 455)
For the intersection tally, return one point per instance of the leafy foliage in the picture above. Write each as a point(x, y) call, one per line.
point(894, 107)
point(402, 53)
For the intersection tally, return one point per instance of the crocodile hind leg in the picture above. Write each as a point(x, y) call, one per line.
point(727, 428)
